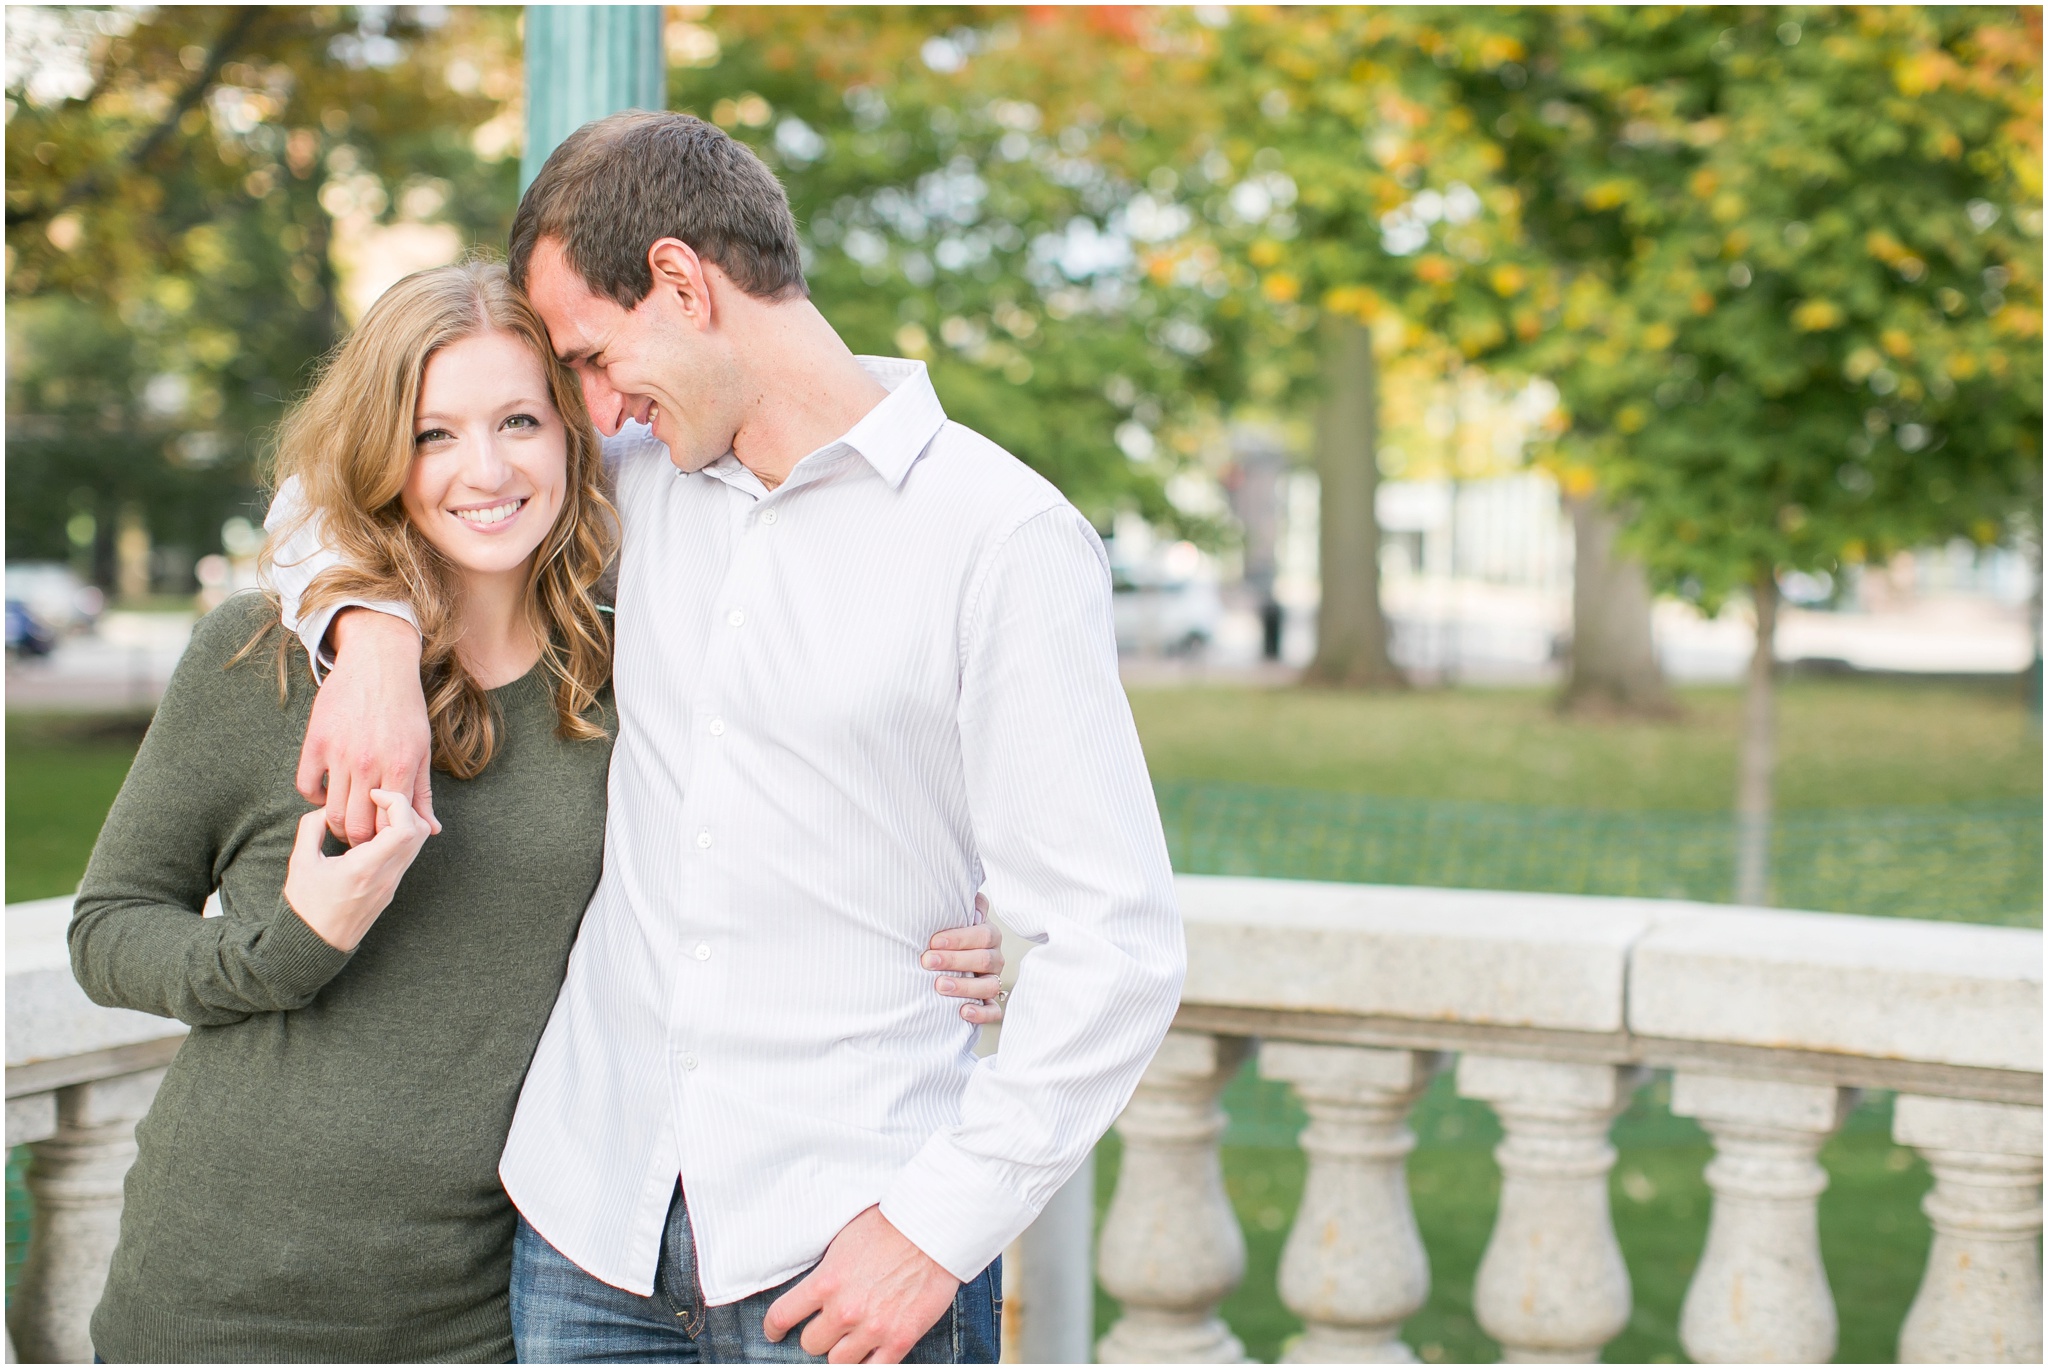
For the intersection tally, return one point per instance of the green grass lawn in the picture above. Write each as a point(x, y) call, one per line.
point(1843, 743)
point(63, 771)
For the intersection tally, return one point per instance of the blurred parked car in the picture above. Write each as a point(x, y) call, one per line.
point(60, 601)
point(1160, 612)
point(27, 635)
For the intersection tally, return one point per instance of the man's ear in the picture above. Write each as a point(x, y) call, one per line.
point(679, 271)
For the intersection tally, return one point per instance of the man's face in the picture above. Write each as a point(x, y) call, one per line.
point(659, 363)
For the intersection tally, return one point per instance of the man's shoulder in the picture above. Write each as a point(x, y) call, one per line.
point(632, 452)
point(984, 479)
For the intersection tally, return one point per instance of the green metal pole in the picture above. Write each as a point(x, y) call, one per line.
point(582, 63)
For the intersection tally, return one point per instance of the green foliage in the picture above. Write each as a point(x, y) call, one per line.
point(957, 210)
point(1799, 257)
point(1783, 263)
point(1349, 174)
point(171, 212)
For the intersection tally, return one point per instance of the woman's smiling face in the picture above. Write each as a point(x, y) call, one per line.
point(490, 455)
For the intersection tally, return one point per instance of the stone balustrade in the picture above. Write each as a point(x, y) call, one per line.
point(1555, 1010)
point(1550, 1009)
point(79, 1077)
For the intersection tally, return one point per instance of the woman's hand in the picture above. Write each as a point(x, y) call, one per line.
point(339, 897)
point(971, 959)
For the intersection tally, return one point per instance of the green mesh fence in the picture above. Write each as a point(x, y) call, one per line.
point(1978, 862)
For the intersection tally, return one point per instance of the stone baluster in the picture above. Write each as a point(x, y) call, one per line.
point(1552, 1286)
point(74, 1179)
point(1980, 1299)
point(1171, 1249)
point(1354, 1268)
point(1760, 1294)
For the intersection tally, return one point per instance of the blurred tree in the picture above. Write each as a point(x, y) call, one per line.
point(956, 175)
point(1799, 251)
point(1689, 219)
point(1613, 665)
point(1163, 207)
point(181, 183)
point(1335, 189)
point(1351, 626)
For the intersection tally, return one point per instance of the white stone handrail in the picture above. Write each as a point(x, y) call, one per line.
point(79, 1077)
point(1555, 1009)
point(1551, 1009)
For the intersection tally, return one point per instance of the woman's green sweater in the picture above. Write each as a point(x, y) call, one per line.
point(318, 1177)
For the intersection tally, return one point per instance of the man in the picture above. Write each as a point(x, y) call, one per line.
point(865, 668)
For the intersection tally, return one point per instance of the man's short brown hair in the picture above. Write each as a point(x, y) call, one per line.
point(618, 185)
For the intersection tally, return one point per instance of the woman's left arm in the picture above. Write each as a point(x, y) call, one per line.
point(137, 936)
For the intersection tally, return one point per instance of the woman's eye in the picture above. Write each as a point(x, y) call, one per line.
point(432, 435)
point(522, 421)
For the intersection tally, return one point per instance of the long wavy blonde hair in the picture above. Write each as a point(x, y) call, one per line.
point(350, 444)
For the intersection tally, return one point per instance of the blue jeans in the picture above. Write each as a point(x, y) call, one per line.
point(561, 1315)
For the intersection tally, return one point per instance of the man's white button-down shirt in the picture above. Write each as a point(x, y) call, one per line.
point(846, 706)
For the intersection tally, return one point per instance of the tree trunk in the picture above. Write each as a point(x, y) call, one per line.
point(2032, 683)
point(1351, 630)
point(1753, 785)
point(1614, 660)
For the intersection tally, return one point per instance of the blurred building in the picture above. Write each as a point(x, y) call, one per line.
point(1477, 584)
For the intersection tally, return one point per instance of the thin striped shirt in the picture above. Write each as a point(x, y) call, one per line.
point(847, 705)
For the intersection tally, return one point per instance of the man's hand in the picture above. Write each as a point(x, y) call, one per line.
point(875, 1295)
point(369, 726)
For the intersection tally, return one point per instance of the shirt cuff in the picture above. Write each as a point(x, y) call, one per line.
point(297, 962)
point(312, 629)
point(951, 1207)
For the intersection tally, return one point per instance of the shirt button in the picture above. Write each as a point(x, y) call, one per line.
point(769, 517)
point(703, 952)
point(689, 1062)
point(704, 841)
point(718, 727)
point(735, 617)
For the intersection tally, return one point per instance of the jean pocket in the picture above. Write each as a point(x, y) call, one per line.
point(970, 1329)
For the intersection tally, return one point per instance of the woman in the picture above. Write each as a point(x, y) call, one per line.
point(318, 1177)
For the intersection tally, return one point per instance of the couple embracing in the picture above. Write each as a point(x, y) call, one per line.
point(852, 684)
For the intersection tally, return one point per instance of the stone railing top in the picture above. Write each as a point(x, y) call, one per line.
point(48, 1016)
point(1940, 992)
point(1887, 989)
point(1617, 973)
point(1447, 955)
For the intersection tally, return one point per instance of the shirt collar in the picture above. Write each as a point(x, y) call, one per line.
point(889, 438)
point(896, 431)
